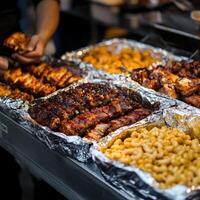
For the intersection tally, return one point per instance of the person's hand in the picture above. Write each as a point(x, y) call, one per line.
point(3, 63)
point(35, 51)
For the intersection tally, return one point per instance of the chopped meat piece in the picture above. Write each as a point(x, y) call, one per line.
point(186, 86)
point(193, 100)
point(163, 76)
point(169, 90)
point(18, 42)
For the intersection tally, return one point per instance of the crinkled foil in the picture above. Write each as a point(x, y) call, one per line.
point(73, 146)
point(93, 73)
point(12, 106)
point(134, 181)
point(119, 44)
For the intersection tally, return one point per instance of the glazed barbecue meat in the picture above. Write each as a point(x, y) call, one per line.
point(26, 82)
point(193, 100)
point(6, 91)
point(17, 42)
point(81, 110)
point(190, 69)
point(103, 129)
point(72, 102)
point(179, 79)
point(187, 86)
point(140, 75)
point(59, 76)
point(163, 76)
point(169, 90)
point(82, 122)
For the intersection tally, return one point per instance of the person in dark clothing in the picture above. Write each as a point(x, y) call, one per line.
point(47, 17)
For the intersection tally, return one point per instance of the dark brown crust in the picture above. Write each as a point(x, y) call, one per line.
point(80, 110)
point(180, 80)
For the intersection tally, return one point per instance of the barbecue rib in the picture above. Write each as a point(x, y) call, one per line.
point(26, 82)
point(59, 76)
point(6, 91)
point(103, 129)
point(85, 108)
point(81, 123)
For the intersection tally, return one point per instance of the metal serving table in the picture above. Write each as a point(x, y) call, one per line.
point(74, 180)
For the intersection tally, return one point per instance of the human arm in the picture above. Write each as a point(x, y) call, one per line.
point(47, 18)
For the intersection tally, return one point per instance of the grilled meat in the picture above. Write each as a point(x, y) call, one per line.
point(82, 122)
point(27, 82)
point(6, 91)
point(59, 76)
point(103, 129)
point(169, 90)
point(87, 107)
point(17, 42)
point(189, 69)
point(163, 76)
point(187, 86)
point(179, 79)
point(193, 100)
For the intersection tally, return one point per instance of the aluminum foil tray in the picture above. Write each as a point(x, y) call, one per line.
point(132, 180)
point(164, 55)
point(73, 146)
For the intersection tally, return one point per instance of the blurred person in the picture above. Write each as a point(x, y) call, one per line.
point(47, 17)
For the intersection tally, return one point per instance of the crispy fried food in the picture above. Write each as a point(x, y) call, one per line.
point(17, 42)
point(106, 58)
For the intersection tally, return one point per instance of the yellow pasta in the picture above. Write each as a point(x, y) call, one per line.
point(171, 156)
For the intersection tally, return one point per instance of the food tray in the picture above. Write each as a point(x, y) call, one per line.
point(133, 180)
point(69, 177)
point(73, 146)
point(119, 44)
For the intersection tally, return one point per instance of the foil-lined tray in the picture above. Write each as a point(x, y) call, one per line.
point(92, 72)
point(73, 146)
point(134, 181)
point(162, 54)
